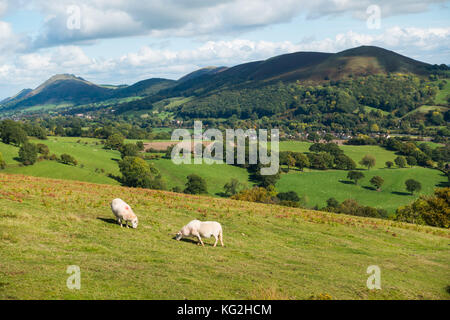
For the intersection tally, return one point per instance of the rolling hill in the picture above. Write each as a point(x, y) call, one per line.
point(317, 66)
point(144, 88)
point(299, 66)
point(59, 89)
point(202, 72)
point(73, 90)
point(270, 252)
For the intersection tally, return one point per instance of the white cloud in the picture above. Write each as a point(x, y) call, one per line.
point(102, 19)
point(30, 69)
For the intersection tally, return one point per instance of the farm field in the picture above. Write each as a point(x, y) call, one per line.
point(355, 152)
point(315, 186)
point(216, 175)
point(318, 186)
point(270, 251)
point(91, 156)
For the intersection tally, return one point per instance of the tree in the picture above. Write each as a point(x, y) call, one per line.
point(288, 196)
point(377, 182)
point(114, 141)
point(355, 176)
point(430, 210)
point(232, 187)
point(314, 137)
point(195, 185)
point(301, 161)
point(67, 159)
point(290, 161)
point(129, 150)
point(140, 145)
point(344, 162)
point(413, 186)
point(389, 164)
point(43, 149)
point(28, 153)
point(400, 161)
point(332, 203)
point(321, 161)
point(13, 133)
point(374, 128)
point(329, 137)
point(2, 162)
point(411, 161)
point(59, 131)
point(139, 174)
point(368, 161)
point(256, 194)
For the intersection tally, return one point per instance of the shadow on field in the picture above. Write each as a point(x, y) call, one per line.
point(191, 241)
point(108, 220)
point(346, 182)
point(443, 185)
point(401, 193)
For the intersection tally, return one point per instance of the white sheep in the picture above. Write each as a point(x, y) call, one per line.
point(199, 229)
point(123, 212)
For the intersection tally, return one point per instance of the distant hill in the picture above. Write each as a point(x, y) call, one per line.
point(299, 66)
point(18, 96)
point(201, 72)
point(145, 87)
point(61, 88)
point(314, 66)
point(70, 89)
point(361, 61)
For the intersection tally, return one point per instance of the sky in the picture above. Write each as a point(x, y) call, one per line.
point(125, 41)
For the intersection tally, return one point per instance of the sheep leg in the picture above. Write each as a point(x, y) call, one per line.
point(221, 239)
point(200, 239)
point(119, 221)
point(215, 243)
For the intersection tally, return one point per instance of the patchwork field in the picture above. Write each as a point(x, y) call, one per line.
point(95, 163)
point(318, 186)
point(270, 251)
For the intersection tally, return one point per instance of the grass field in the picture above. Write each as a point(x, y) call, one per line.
point(441, 96)
point(93, 158)
point(319, 186)
point(426, 109)
point(216, 175)
point(270, 251)
point(355, 152)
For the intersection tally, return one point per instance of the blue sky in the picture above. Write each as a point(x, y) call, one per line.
point(124, 41)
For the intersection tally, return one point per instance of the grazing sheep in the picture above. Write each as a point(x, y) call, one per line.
point(199, 229)
point(123, 212)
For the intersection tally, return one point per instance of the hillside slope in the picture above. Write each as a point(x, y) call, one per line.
point(62, 88)
point(317, 66)
point(270, 251)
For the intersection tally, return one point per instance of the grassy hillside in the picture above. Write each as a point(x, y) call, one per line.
point(91, 156)
point(441, 96)
point(270, 251)
point(319, 186)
